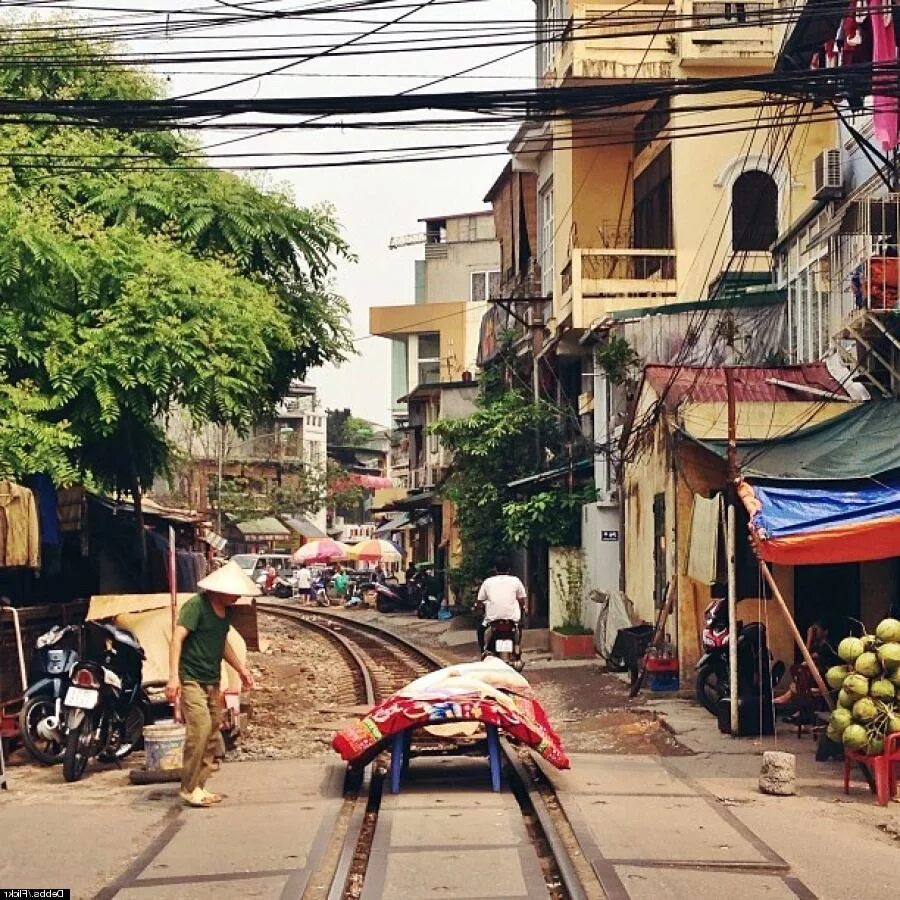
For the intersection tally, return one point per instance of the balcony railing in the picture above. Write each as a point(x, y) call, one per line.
point(618, 262)
point(729, 32)
point(600, 280)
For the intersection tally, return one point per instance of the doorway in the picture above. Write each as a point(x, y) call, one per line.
point(830, 593)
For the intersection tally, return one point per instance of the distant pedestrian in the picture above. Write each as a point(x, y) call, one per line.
point(378, 575)
point(341, 581)
point(304, 583)
point(411, 573)
point(199, 645)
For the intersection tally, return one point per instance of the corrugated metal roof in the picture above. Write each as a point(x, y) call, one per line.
point(268, 525)
point(304, 527)
point(751, 383)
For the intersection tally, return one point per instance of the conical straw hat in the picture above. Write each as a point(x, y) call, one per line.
point(230, 579)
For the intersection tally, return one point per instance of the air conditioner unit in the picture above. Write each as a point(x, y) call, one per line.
point(828, 176)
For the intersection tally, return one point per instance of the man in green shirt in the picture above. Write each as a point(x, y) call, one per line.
point(195, 663)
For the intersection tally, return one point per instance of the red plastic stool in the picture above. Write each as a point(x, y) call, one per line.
point(882, 768)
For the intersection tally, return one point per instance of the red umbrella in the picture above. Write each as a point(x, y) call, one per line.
point(319, 551)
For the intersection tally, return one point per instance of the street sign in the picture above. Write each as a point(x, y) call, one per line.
point(609, 535)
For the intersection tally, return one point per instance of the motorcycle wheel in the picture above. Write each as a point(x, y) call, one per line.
point(712, 686)
point(131, 735)
point(44, 750)
point(78, 749)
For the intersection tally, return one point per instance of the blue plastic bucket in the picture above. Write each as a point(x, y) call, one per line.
point(164, 745)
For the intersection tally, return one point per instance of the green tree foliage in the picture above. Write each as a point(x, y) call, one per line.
point(554, 516)
point(134, 277)
point(246, 498)
point(341, 492)
point(492, 447)
point(346, 430)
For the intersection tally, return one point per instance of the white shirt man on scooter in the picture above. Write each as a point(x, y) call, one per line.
point(502, 596)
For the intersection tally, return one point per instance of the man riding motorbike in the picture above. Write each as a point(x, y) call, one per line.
point(502, 596)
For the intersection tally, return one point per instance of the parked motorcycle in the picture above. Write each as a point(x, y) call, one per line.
point(319, 591)
point(105, 707)
point(713, 678)
point(41, 725)
point(275, 585)
point(503, 639)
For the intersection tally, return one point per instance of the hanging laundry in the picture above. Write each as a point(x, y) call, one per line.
point(20, 537)
point(884, 84)
point(48, 508)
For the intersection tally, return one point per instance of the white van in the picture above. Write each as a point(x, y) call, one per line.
point(254, 564)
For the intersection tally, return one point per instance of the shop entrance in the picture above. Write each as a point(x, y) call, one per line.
point(830, 593)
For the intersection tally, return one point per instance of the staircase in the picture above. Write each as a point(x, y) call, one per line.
point(875, 357)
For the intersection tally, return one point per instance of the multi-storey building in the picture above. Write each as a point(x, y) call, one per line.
point(654, 221)
point(434, 350)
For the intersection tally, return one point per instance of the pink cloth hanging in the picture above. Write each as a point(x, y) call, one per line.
point(884, 51)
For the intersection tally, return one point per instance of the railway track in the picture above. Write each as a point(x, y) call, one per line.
point(382, 663)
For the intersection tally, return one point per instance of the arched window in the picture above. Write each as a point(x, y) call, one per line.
point(754, 211)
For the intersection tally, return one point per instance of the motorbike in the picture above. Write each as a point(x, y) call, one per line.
point(713, 674)
point(503, 639)
point(275, 586)
point(105, 706)
point(41, 724)
point(319, 592)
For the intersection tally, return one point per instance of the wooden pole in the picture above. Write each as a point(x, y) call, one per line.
point(731, 535)
point(730, 551)
point(804, 650)
point(173, 579)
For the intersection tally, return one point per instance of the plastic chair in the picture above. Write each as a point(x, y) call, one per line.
point(883, 767)
point(400, 756)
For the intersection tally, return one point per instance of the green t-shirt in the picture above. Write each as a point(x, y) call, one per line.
point(201, 653)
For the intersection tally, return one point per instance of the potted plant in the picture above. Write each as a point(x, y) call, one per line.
point(570, 639)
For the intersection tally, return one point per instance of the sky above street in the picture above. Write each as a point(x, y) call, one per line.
point(373, 203)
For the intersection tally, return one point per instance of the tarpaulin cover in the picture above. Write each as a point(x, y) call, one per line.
point(488, 691)
point(803, 524)
point(863, 442)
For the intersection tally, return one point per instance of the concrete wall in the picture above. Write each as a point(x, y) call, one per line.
point(602, 208)
point(601, 556)
point(449, 278)
point(448, 319)
point(559, 558)
point(648, 475)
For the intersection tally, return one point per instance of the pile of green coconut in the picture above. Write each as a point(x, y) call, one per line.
point(868, 705)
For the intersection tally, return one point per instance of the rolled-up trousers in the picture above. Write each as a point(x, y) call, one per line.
point(202, 713)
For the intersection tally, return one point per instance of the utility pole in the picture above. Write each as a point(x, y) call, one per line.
point(537, 342)
point(731, 542)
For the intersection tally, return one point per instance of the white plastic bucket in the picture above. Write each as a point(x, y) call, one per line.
point(164, 745)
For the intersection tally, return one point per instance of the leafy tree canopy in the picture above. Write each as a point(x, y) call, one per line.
point(346, 430)
point(133, 276)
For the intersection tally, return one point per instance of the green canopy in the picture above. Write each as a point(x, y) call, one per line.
point(861, 443)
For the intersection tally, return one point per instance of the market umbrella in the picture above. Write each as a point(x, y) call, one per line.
point(376, 550)
point(319, 551)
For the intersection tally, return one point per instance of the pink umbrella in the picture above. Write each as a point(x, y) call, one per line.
point(324, 550)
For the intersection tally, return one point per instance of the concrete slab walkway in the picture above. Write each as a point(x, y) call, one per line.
point(141, 843)
point(446, 834)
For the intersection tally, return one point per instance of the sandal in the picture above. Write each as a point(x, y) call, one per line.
point(210, 797)
point(197, 798)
